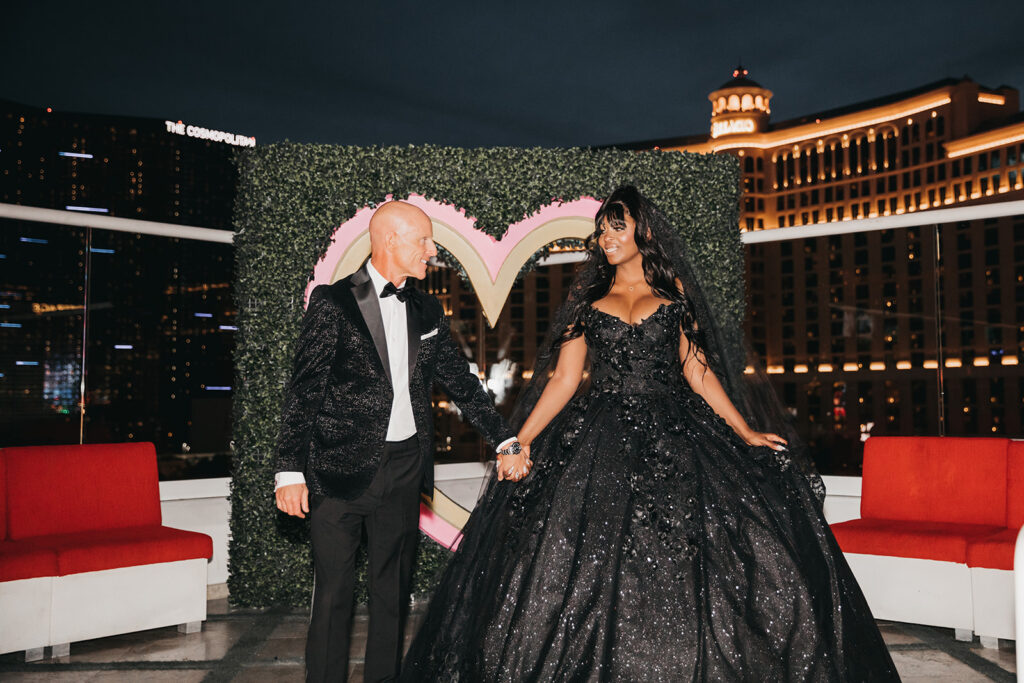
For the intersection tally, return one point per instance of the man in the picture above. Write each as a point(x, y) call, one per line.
point(356, 442)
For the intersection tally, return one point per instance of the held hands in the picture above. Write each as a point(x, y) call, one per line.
point(773, 441)
point(514, 466)
point(293, 499)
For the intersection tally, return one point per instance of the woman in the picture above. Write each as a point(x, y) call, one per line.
point(660, 536)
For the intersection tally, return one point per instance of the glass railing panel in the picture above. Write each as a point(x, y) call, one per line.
point(982, 326)
point(42, 280)
point(161, 333)
point(845, 326)
point(913, 330)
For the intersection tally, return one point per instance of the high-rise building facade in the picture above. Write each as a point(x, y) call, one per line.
point(149, 169)
point(897, 331)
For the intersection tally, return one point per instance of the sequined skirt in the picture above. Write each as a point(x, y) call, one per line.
point(648, 544)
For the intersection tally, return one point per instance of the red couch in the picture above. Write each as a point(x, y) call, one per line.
point(935, 541)
point(83, 553)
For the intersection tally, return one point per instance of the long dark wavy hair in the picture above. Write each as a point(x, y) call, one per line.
point(596, 276)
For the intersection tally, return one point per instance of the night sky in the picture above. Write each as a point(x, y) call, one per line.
point(487, 73)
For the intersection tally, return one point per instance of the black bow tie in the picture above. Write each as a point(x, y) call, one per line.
point(403, 293)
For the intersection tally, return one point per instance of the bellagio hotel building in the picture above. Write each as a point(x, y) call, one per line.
point(862, 333)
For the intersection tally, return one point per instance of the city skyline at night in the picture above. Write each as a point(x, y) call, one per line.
point(846, 325)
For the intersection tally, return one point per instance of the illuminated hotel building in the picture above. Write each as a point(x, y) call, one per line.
point(942, 144)
point(853, 328)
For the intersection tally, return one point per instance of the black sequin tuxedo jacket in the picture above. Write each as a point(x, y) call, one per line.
point(338, 402)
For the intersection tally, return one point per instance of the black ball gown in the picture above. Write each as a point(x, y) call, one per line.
point(649, 543)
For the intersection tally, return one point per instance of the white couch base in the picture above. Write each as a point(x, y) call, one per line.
point(915, 591)
point(25, 614)
point(1018, 598)
point(127, 599)
point(993, 603)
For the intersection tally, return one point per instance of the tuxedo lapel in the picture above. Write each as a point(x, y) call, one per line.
point(368, 300)
point(412, 323)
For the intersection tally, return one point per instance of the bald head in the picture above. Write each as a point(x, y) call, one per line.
point(393, 217)
point(401, 241)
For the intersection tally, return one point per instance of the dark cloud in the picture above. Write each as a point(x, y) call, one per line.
point(495, 73)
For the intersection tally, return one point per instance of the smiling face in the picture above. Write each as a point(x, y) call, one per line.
point(401, 241)
point(412, 246)
point(617, 239)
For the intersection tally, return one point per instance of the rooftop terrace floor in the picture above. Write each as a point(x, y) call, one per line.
point(267, 645)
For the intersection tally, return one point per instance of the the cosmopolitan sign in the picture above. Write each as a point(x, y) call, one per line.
point(732, 126)
point(179, 128)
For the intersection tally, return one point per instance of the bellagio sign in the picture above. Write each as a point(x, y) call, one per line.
point(731, 126)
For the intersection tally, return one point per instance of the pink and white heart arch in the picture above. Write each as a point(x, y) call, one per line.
point(491, 264)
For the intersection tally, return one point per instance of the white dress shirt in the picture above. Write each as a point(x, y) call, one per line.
point(401, 424)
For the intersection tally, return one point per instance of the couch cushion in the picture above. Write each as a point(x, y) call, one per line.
point(898, 538)
point(935, 479)
point(1015, 485)
point(90, 551)
point(64, 489)
point(993, 552)
point(25, 560)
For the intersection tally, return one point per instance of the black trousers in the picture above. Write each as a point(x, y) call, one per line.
point(389, 510)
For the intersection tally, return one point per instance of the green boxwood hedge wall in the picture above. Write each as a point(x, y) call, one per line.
point(291, 198)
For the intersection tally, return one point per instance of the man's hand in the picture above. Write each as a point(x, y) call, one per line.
point(293, 499)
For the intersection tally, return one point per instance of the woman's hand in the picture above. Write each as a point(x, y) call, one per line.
point(773, 441)
point(514, 467)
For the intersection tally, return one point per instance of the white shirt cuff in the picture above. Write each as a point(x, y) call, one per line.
point(287, 479)
point(504, 443)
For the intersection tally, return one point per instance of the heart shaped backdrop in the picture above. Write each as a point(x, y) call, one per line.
point(491, 264)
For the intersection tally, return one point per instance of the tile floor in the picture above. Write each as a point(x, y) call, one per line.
point(247, 645)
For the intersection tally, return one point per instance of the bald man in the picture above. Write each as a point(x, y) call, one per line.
point(356, 445)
